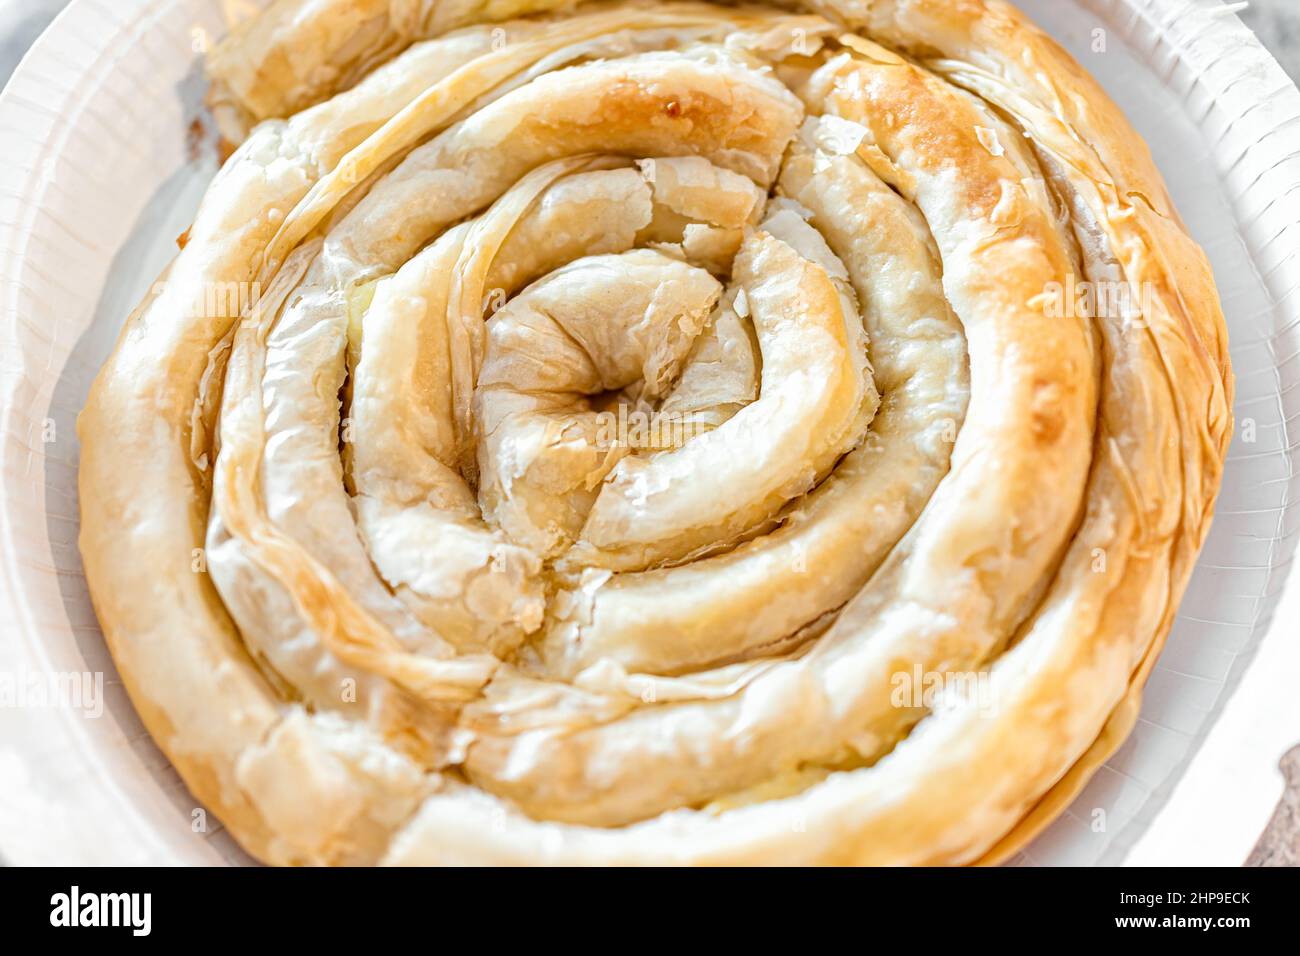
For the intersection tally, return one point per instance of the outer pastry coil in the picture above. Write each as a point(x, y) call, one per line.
point(655, 433)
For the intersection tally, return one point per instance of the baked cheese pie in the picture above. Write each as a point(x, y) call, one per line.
point(656, 433)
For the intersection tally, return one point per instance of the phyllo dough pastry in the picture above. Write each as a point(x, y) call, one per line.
point(655, 433)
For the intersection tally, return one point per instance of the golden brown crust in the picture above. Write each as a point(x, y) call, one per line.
point(905, 450)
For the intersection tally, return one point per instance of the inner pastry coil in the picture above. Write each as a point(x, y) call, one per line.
point(657, 433)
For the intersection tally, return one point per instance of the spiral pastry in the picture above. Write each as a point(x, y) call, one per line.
point(633, 405)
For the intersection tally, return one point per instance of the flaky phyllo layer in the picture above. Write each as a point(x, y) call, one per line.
point(655, 433)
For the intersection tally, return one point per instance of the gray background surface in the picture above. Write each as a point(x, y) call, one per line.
point(21, 22)
point(1277, 23)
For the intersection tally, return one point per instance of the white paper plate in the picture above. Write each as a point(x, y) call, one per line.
point(103, 166)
